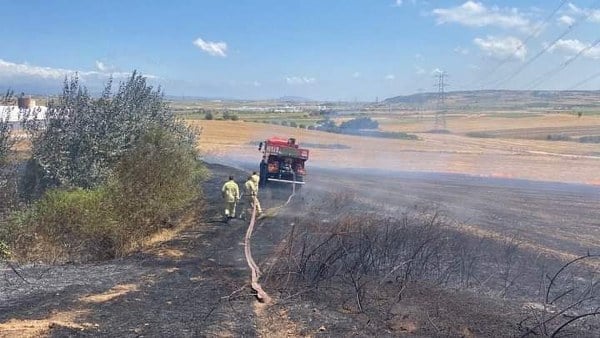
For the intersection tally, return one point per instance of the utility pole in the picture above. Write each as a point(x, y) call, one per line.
point(440, 115)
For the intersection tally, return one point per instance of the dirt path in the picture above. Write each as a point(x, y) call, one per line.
point(195, 284)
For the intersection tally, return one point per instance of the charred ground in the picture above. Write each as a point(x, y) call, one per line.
point(197, 283)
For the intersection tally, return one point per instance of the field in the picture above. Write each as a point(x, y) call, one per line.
point(514, 149)
point(513, 209)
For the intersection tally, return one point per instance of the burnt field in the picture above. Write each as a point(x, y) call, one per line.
point(553, 218)
point(460, 256)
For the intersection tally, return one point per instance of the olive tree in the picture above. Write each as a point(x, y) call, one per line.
point(83, 138)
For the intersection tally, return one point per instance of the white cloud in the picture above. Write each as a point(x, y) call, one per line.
point(436, 71)
point(475, 14)
point(356, 75)
point(575, 46)
point(256, 84)
point(420, 70)
point(566, 20)
point(399, 3)
point(299, 80)
point(502, 47)
point(8, 68)
point(16, 70)
point(589, 14)
point(390, 77)
point(461, 50)
point(212, 48)
point(101, 66)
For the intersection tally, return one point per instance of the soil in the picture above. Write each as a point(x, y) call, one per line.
point(197, 283)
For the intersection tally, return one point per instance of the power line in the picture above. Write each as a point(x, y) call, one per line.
point(533, 34)
point(440, 114)
point(584, 81)
point(546, 48)
point(562, 66)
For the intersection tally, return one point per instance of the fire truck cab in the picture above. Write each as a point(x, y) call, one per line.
point(282, 161)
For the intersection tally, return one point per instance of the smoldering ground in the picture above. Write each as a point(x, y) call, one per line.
point(501, 238)
point(468, 276)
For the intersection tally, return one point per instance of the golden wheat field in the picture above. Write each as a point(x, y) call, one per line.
point(534, 159)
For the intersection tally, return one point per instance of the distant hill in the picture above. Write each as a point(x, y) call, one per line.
point(499, 99)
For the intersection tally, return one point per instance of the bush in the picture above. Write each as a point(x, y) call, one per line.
point(558, 137)
point(76, 225)
point(590, 139)
point(156, 178)
point(83, 138)
point(360, 123)
point(208, 116)
point(159, 176)
point(6, 141)
point(293, 124)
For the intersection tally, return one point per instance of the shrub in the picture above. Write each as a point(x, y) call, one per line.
point(590, 139)
point(6, 141)
point(558, 137)
point(360, 123)
point(155, 179)
point(66, 225)
point(83, 138)
point(158, 177)
point(208, 116)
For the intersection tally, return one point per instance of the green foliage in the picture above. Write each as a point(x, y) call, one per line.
point(84, 138)
point(208, 116)
point(229, 116)
point(73, 224)
point(360, 123)
point(293, 124)
point(4, 251)
point(6, 141)
point(590, 139)
point(104, 174)
point(159, 176)
point(156, 178)
point(558, 137)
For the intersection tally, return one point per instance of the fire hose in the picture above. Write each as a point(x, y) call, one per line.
point(262, 296)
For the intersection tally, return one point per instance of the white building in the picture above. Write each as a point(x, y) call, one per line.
point(14, 115)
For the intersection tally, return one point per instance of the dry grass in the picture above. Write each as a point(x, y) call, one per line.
point(115, 292)
point(23, 328)
point(452, 153)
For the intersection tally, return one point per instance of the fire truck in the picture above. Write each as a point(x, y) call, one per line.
point(282, 161)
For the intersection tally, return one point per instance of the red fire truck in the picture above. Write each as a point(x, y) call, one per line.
point(283, 161)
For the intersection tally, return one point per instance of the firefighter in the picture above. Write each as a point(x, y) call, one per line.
point(231, 195)
point(263, 171)
point(255, 179)
point(251, 191)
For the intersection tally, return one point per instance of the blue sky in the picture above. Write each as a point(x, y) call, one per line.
point(333, 49)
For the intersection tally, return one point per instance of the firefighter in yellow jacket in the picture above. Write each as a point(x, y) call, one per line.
point(231, 195)
point(251, 192)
